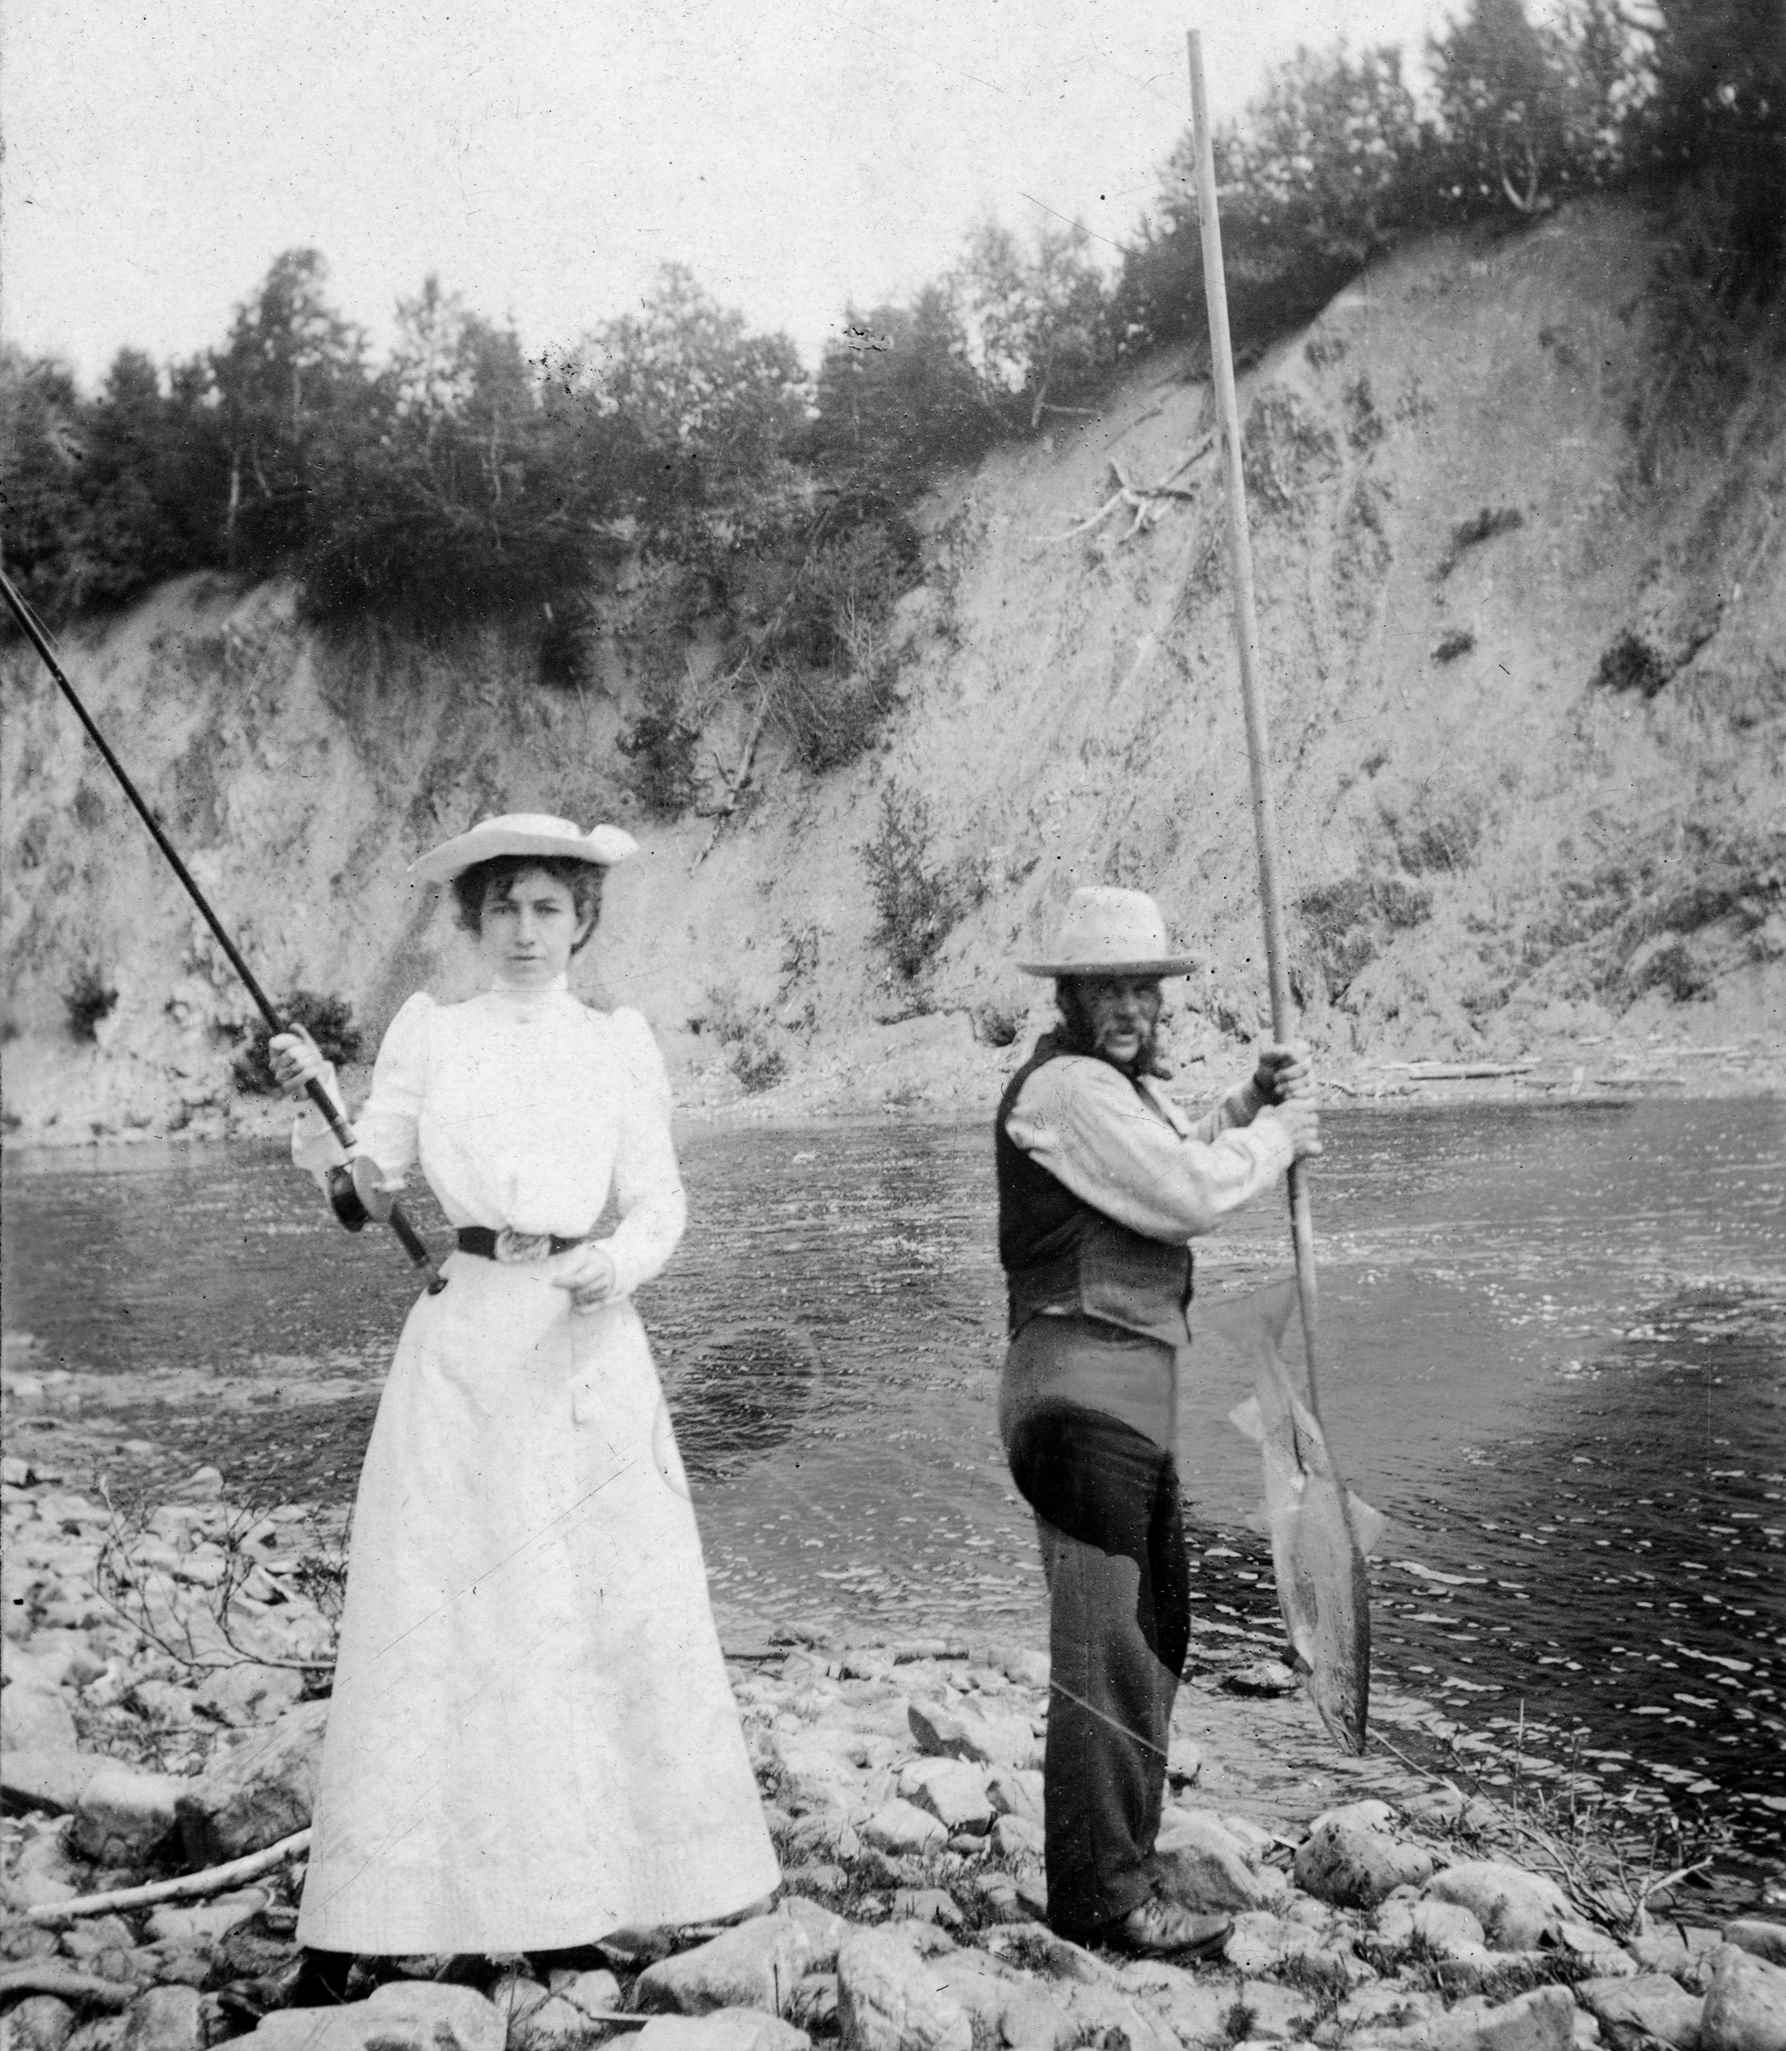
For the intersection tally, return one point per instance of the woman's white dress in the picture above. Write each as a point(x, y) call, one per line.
point(532, 1739)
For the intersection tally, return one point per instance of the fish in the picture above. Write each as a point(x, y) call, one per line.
point(1321, 1534)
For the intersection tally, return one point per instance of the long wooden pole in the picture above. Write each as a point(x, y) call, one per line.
point(1246, 632)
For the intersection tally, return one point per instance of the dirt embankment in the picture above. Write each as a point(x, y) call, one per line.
point(1521, 611)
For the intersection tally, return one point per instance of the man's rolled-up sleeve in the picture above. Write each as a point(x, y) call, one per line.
point(1135, 1161)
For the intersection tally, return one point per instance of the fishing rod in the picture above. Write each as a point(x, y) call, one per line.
point(350, 1205)
point(1246, 630)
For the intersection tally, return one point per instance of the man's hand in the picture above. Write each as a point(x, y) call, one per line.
point(1301, 1119)
point(589, 1274)
point(1284, 1072)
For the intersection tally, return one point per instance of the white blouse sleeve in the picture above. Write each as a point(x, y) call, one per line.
point(647, 1181)
point(386, 1128)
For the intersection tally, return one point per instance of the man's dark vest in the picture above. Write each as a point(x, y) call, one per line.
point(1060, 1254)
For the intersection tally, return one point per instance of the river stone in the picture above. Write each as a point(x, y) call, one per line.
point(1446, 1929)
point(563, 2019)
point(402, 2015)
point(887, 2000)
point(1356, 1865)
point(123, 1815)
point(1745, 2004)
point(951, 1790)
point(207, 1922)
point(1018, 1837)
point(724, 2029)
point(825, 1929)
point(239, 1695)
point(958, 1731)
point(1203, 1864)
point(1543, 2020)
point(39, 2023)
point(1635, 2011)
point(1517, 1910)
point(53, 1780)
point(1761, 1939)
point(899, 1826)
point(165, 2019)
point(753, 1965)
point(1016, 1791)
point(259, 1788)
point(35, 1717)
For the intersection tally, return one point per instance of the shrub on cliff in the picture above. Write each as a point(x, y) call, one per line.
point(329, 1022)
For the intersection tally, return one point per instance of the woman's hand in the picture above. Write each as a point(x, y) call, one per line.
point(296, 1060)
point(1284, 1072)
point(590, 1276)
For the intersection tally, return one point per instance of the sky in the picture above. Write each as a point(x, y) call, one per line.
point(544, 157)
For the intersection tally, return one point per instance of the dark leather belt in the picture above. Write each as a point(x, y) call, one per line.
point(481, 1240)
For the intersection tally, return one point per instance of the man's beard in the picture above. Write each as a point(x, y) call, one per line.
point(1082, 1038)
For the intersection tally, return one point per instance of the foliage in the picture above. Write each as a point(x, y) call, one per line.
point(329, 1022)
point(660, 744)
point(917, 899)
point(1037, 319)
point(1349, 923)
point(898, 399)
point(1471, 533)
point(90, 997)
point(1630, 664)
point(743, 1031)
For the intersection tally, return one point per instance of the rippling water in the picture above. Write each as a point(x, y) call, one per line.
point(1554, 1355)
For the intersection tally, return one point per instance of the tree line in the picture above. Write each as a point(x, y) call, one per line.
point(463, 479)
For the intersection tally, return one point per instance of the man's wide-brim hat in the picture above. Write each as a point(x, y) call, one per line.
point(523, 833)
point(1109, 932)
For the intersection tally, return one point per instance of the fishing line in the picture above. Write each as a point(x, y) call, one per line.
point(347, 1206)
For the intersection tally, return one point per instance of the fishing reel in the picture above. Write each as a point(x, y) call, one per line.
point(357, 1194)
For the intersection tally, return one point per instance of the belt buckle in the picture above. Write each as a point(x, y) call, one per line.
point(515, 1248)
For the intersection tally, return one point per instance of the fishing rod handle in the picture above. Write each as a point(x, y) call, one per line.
point(348, 1208)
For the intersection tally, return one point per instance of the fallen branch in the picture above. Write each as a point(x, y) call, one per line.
point(49, 1976)
point(185, 1887)
point(1461, 1071)
point(1142, 499)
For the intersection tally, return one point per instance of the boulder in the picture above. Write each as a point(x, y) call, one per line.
point(39, 2023)
point(123, 1815)
point(1762, 1939)
point(573, 2013)
point(1649, 2007)
point(403, 2015)
point(947, 1730)
point(887, 1999)
point(753, 1965)
point(1745, 2003)
point(725, 2029)
point(34, 1717)
point(901, 1826)
point(1356, 1865)
point(165, 2019)
point(259, 1787)
point(1543, 2020)
point(1518, 1911)
point(205, 1922)
point(951, 1790)
point(1204, 1865)
point(53, 1780)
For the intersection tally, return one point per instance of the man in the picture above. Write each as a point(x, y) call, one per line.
point(1102, 1182)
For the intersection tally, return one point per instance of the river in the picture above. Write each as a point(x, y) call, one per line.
point(1554, 1356)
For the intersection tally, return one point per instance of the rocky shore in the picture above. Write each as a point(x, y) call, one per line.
point(164, 1699)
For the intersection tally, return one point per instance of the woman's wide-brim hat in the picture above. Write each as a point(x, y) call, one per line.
point(1109, 932)
point(523, 833)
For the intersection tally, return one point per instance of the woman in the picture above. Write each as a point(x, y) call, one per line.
point(532, 1740)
